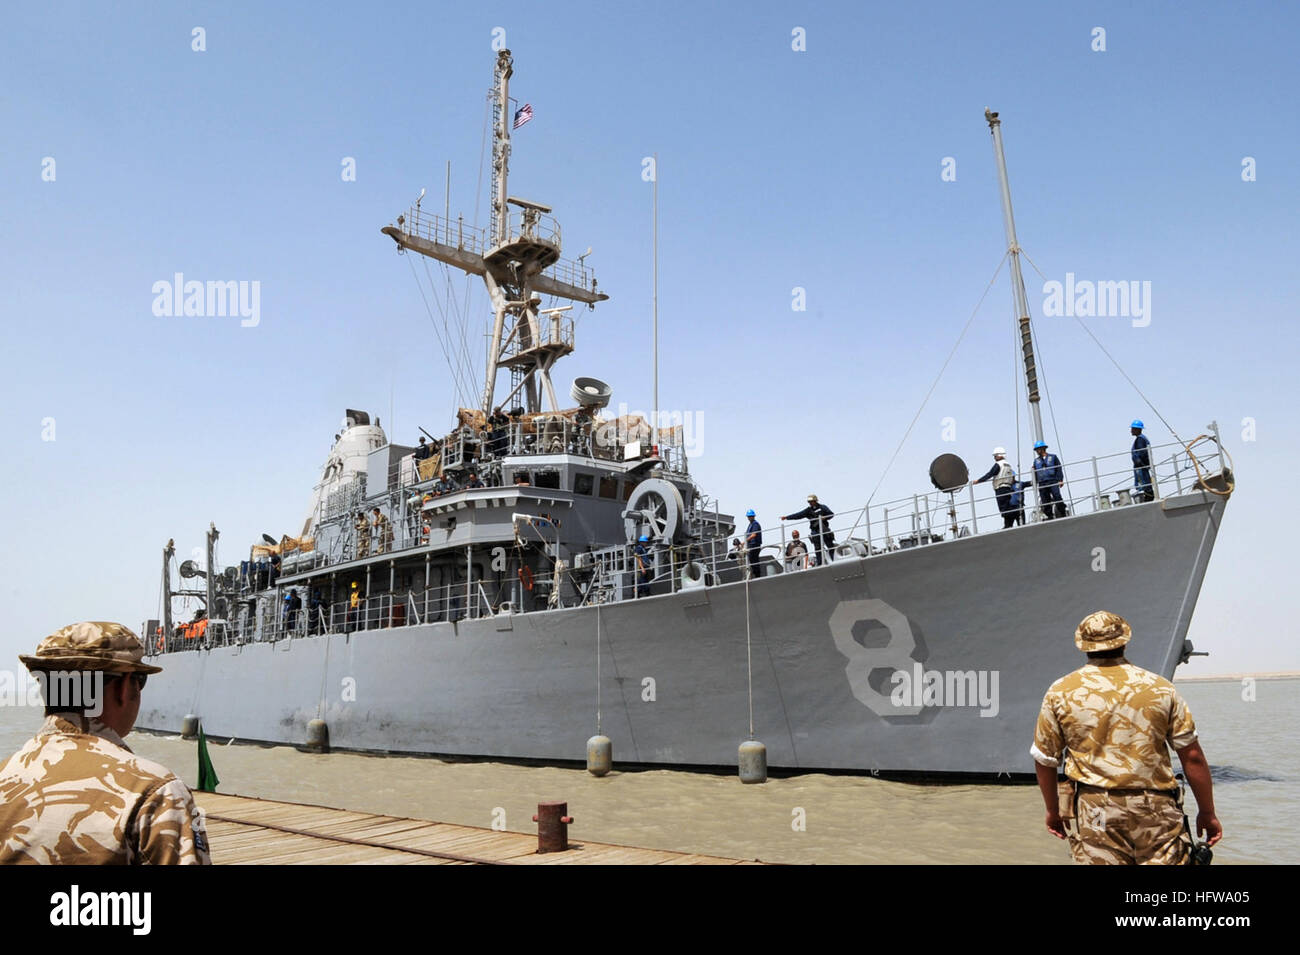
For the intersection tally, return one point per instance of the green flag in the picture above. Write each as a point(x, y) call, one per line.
point(208, 781)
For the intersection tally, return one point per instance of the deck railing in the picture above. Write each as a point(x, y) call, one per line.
point(435, 228)
point(928, 518)
point(270, 620)
point(531, 226)
point(458, 234)
point(1089, 485)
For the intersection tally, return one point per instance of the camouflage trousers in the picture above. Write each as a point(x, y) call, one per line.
point(1124, 827)
point(363, 546)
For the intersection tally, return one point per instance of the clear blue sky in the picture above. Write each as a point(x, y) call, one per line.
point(818, 169)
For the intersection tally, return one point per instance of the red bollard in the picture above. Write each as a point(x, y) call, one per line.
point(552, 826)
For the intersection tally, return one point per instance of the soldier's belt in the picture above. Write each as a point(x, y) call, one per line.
point(1171, 793)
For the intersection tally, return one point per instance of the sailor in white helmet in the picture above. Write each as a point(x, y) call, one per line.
point(818, 516)
point(1003, 477)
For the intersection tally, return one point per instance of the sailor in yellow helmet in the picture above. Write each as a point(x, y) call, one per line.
point(76, 794)
point(354, 605)
point(1112, 724)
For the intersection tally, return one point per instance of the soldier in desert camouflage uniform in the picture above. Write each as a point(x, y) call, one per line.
point(363, 534)
point(383, 532)
point(1113, 722)
point(76, 794)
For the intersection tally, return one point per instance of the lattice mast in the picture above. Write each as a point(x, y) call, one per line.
point(519, 260)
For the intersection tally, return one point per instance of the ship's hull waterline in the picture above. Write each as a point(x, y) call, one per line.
point(986, 622)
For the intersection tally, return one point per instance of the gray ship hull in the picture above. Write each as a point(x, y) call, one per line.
point(932, 659)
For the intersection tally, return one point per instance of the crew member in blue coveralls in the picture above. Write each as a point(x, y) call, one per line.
point(292, 604)
point(641, 554)
point(1141, 462)
point(1048, 475)
point(314, 608)
point(818, 529)
point(753, 541)
point(498, 439)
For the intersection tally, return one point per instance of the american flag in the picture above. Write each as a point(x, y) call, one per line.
point(523, 114)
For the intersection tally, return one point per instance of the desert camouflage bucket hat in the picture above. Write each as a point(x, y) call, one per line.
point(91, 645)
point(1102, 630)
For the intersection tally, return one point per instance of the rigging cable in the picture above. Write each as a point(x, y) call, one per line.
point(598, 670)
point(1033, 332)
point(1051, 408)
point(452, 307)
point(749, 659)
point(469, 370)
point(1187, 445)
point(432, 320)
point(1113, 362)
point(448, 351)
point(935, 384)
point(478, 200)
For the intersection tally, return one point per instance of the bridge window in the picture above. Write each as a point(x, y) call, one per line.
point(609, 487)
point(583, 483)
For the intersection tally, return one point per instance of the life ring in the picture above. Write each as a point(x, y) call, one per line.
point(526, 577)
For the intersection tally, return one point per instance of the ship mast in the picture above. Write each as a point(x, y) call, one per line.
point(519, 260)
point(168, 551)
point(505, 68)
point(1017, 280)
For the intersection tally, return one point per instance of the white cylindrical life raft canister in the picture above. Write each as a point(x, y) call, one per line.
point(693, 575)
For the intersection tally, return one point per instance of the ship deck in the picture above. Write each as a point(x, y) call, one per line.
point(243, 830)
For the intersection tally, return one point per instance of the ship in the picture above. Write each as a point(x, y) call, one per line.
point(544, 571)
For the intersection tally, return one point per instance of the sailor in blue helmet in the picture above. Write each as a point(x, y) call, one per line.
point(641, 554)
point(1141, 462)
point(1049, 476)
point(292, 604)
point(753, 542)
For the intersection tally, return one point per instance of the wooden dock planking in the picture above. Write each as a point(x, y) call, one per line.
point(246, 831)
